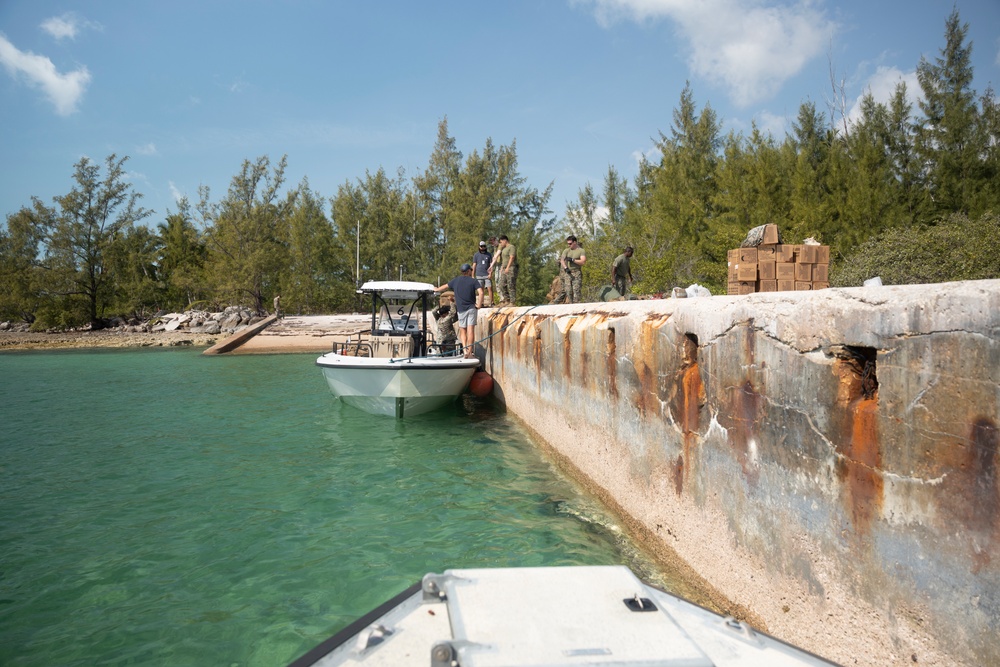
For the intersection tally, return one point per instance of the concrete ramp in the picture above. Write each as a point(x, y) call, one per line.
point(241, 336)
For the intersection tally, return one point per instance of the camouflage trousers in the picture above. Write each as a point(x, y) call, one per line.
point(574, 286)
point(507, 285)
point(561, 293)
point(621, 285)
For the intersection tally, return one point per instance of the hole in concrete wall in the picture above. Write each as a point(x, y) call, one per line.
point(690, 349)
point(867, 357)
point(860, 362)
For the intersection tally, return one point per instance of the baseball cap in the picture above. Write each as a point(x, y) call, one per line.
point(466, 267)
point(482, 244)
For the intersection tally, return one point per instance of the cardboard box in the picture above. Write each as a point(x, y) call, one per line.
point(733, 256)
point(747, 287)
point(748, 255)
point(768, 286)
point(784, 271)
point(785, 285)
point(770, 234)
point(820, 285)
point(821, 273)
point(784, 252)
point(731, 274)
point(809, 254)
point(733, 287)
point(746, 272)
point(803, 285)
point(824, 254)
point(765, 270)
point(803, 272)
point(765, 252)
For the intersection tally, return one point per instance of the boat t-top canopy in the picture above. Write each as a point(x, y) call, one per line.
point(396, 289)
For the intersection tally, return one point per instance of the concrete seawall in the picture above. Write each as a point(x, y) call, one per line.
point(825, 460)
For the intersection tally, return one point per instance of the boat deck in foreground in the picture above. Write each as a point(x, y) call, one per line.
point(515, 617)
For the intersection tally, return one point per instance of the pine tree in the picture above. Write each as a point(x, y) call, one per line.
point(80, 233)
point(948, 141)
point(246, 233)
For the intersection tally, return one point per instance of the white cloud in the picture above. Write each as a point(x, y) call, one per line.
point(67, 25)
point(147, 149)
point(175, 192)
point(773, 124)
point(63, 90)
point(651, 155)
point(750, 47)
point(882, 86)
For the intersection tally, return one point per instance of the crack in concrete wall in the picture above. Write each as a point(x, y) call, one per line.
point(826, 459)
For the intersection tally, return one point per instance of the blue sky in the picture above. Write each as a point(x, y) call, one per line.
point(189, 89)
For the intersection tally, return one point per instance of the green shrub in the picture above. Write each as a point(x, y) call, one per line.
point(953, 249)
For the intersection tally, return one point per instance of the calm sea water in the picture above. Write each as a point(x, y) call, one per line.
point(161, 507)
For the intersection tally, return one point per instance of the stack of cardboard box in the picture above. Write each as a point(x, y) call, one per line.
point(778, 267)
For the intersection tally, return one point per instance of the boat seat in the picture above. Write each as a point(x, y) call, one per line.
point(392, 347)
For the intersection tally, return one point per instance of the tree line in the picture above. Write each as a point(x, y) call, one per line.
point(908, 194)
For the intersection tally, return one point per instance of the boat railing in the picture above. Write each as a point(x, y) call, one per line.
point(352, 348)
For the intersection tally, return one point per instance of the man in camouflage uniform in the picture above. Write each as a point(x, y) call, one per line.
point(621, 271)
point(446, 315)
point(506, 259)
point(572, 261)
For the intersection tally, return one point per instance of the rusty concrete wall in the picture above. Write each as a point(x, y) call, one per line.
point(826, 460)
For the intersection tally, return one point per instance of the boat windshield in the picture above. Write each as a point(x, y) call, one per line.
point(398, 316)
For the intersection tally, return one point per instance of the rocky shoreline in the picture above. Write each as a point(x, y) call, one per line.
point(27, 340)
point(193, 329)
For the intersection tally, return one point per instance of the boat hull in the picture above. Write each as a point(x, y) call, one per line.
point(396, 387)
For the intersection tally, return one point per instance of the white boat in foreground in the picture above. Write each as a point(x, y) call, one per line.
point(397, 371)
point(547, 616)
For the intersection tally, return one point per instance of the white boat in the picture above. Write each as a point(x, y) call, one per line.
point(397, 371)
point(548, 616)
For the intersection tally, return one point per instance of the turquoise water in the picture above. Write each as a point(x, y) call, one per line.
point(161, 507)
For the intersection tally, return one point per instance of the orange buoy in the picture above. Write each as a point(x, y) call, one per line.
point(481, 384)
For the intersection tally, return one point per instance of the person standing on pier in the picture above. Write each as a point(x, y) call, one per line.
point(621, 271)
point(573, 261)
point(506, 259)
point(468, 299)
point(483, 260)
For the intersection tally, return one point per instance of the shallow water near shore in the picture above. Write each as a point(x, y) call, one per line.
point(161, 507)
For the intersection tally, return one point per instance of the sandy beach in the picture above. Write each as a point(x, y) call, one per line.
point(294, 333)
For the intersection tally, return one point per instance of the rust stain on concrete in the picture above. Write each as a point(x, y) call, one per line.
point(985, 440)
point(645, 358)
point(678, 474)
point(567, 351)
point(741, 420)
point(611, 365)
point(859, 467)
point(971, 493)
point(685, 406)
point(860, 464)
